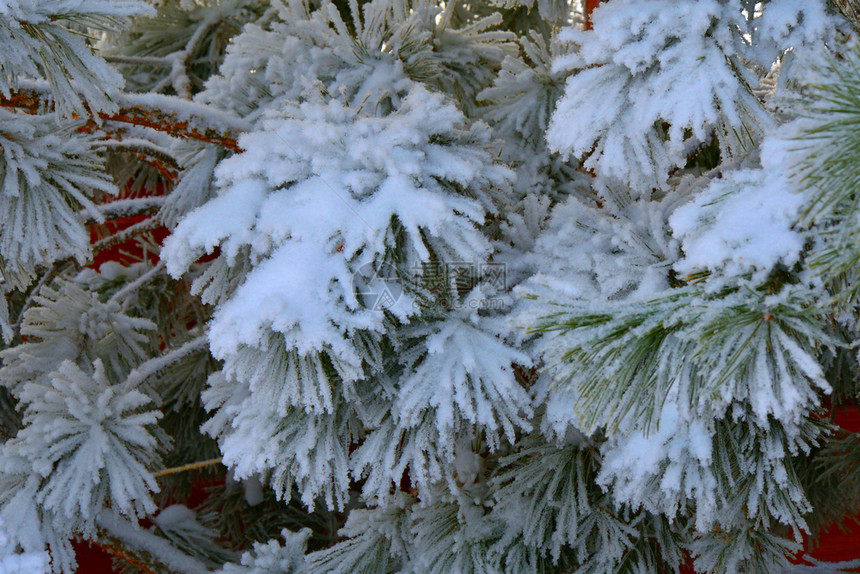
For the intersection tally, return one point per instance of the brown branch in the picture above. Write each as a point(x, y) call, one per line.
point(160, 121)
point(185, 467)
point(33, 102)
point(123, 555)
point(27, 101)
point(168, 172)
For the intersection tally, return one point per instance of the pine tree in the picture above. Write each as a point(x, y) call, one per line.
point(495, 286)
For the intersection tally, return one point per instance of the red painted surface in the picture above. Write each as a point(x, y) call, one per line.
point(92, 559)
point(838, 544)
point(129, 251)
point(847, 417)
point(590, 5)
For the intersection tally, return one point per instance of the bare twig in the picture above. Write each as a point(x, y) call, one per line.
point(138, 375)
point(126, 207)
point(124, 235)
point(185, 467)
point(137, 283)
point(139, 60)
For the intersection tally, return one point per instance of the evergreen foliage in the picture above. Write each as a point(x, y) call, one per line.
point(406, 286)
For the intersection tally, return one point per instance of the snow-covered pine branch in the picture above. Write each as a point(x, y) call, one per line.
point(670, 74)
point(43, 41)
point(502, 286)
point(167, 114)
